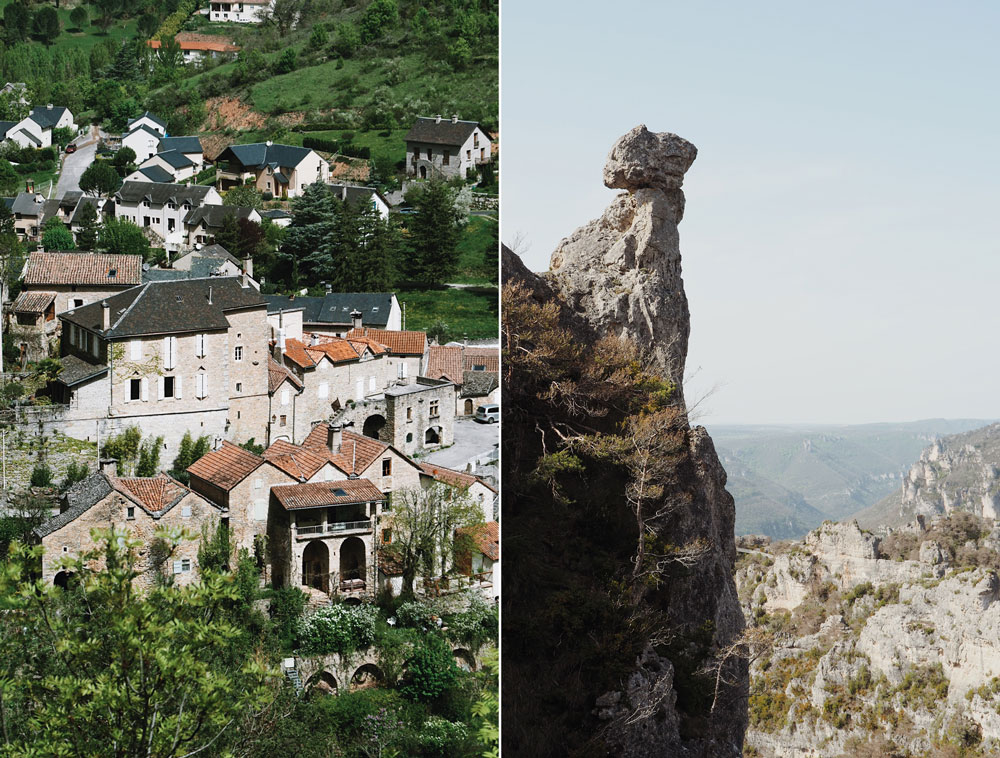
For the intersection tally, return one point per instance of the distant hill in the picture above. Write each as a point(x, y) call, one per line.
point(788, 479)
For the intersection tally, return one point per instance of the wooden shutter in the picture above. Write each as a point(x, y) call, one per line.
point(136, 350)
point(160, 383)
point(145, 389)
point(177, 387)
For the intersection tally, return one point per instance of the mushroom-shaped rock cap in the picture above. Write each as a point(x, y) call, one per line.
point(644, 159)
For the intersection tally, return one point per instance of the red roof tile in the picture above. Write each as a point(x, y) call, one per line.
point(276, 374)
point(397, 343)
point(486, 537)
point(295, 460)
point(295, 351)
point(339, 351)
point(194, 41)
point(83, 268)
point(319, 494)
point(445, 362)
point(225, 467)
point(451, 477)
point(488, 358)
point(357, 452)
point(154, 493)
point(33, 302)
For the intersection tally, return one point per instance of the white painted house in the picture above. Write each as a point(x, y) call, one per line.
point(356, 194)
point(445, 148)
point(282, 170)
point(143, 140)
point(246, 12)
point(35, 130)
point(163, 207)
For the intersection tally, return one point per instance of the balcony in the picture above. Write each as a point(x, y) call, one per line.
point(331, 527)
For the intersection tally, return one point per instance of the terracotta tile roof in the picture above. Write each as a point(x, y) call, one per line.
point(357, 452)
point(206, 42)
point(337, 350)
point(360, 343)
point(154, 493)
point(295, 460)
point(225, 467)
point(319, 494)
point(449, 476)
point(487, 357)
point(83, 268)
point(397, 343)
point(276, 374)
point(486, 537)
point(295, 351)
point(445, 362)
point(33, 302)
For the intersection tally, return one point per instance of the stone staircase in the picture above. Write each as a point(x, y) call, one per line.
point(292, 675)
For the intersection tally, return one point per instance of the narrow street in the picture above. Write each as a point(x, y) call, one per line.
point(76, 163)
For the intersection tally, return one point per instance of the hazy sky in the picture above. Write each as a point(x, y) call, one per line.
point(841, 251)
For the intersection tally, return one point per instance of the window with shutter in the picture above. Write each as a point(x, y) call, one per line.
point(136, 350)
point(260, 510)
point(169, 352)
point(177, 567)
point(284, 397)
point(199, 345)
point(404, 369)
point(324, 390)
point(145, 389)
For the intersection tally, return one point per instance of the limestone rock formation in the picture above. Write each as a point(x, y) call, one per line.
point(622, 272)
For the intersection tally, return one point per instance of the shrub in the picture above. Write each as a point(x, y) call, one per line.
point(338, 629)
point(41, 475)
point(432, 670)
point(416, 614)
point(477, 624)
point(439, 736)
point(287, 606)
point(75, 472)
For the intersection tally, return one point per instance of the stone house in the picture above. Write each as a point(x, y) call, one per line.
point(475, 371)
point(331, 315)
point(136, 507)
point(35, 129)
point(420, 416)
point(281, 170)
point(31, 323)
point(194, 47)
point(322, 535)
point(78, 279)
point(478, 489)
point(283, 391)
point(245, 12)
point(478, 556)
point(171, 357)
point(163, 207)
point(445, 148)
point(202, 224)
point(27, 208)
point(358, 456)
point(407, 350)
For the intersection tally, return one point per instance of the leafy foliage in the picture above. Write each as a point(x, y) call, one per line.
point(56, 236)
point(100, 178)
point(189, 451)
point(338, 629)
point(432, 233)
point(432, 670)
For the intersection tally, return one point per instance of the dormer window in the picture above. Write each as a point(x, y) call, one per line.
point(172, 206)
point(113, 273)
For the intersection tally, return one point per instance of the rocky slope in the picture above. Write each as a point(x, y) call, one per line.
point(588, 670)
point(960, 472)
point(876, 645)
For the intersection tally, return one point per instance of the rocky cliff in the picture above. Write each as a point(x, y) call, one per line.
point(960, 472)
point(600, 658)
point(876, 645)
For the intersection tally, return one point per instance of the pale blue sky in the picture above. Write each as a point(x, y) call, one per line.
point(840, 247)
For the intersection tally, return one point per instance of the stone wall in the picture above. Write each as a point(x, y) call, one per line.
point(411, 411)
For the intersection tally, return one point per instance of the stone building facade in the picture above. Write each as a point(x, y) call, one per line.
point(420, 416)
point(445, 148)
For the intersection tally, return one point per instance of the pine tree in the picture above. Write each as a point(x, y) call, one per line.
point(86, 238)
point(315, 215)
point(229, 235)
point(433, 234)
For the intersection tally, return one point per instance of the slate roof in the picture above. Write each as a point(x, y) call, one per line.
point(227, 466)
point(451, 477)
point(183, 144)
point(142, 128)
point(81, 269)
point(479, 383)
point(46, 117)
point(443, 133)
point(76, 219)
point(33, 302)
point(397, 343)
point(336, 307)
point(160, 193)
point(151, 117)
point(167, 308)
point(275, 213)
point(5, 127)
point(276, 374)
point(445, 362)
point(213, 216)
point(486, 537)
point(156, 174)
point(30, 137)
point(355, 194)
point(26, 204)
point(201, 268)
point(175, 158)
point(79, 499)
point(260, 154)
point(76, 371)
point(320, 494)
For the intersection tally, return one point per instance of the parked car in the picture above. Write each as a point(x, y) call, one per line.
point(488, 414)
point(70, 148)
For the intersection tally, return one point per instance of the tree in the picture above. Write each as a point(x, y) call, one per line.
point(348, 39)
point(119, 235)
point(460, 54)
point(148, 24)
point(11, 106)
point(16, 21)
point(124, 448)
point(423, 527)
point(106, 9)
point(86, 238)
point(124, 161)
point(315, 212)
point(319, 38)
point(11, 257)
point(45, 24)
point(79, 17)
point(190, 451)
point(9, 179)
point(149, 457)
point(244, 196)
point(431, 670)
point(286, 63)
point(378, 18)
point(100, 178)
point(433, 233)
point(285, 14)
point(56, 236)
point(104, 670)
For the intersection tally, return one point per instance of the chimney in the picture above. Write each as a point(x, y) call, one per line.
point(106, 315)
point(334, 437)
point(49, 106)
point(269, 143)
point(313, 339)
point(108, 466)
point(244, 279)
point(356, 319)
point(29, 186)
point(437, 119)
point(454, 118)
point(248, 266)
point(279, 344)
point(210, 294)
point(329, 288)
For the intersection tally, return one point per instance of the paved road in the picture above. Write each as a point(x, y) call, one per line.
point(76, 163)
point(471, 439)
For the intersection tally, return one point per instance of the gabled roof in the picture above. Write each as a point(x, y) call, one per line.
point(30, 137)
point(161, 193)
point(76, 371)
point(142, 128)
point(274, 213)
point(296, 460)
point(397, 343)
point(335, 308)
point(213, 216)
point(77, 218)
point(83, 269)
point(453, 478)
point(443, 132)
point(355, 194)
point(156, 494)
point(445, 362)
point(171, 307)
point(147, 115)
point(261, 154)
point(277, 374)
point(226, 467)
point(33, 302)
point(357, 452)
point(5, 127)
point(481, 359)
point(27, 204)
point(486, 538)
point(320, 494)
point(174, 158)
point(183, 144)
point(479, 383)
point(218, 45)
point(45, 116)
point(79, 499)
point(295, 351)
point(156, 174)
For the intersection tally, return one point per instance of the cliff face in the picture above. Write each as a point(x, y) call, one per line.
point(646, 690)
point(960, 472)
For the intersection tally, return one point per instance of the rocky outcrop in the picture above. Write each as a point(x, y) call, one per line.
point(622, 272)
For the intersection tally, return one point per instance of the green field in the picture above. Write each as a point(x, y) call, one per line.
point(88, 37)
point(471, 312)
point(478, 237)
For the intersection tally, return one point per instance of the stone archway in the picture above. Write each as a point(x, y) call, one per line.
point(423, 172)
point(352, 564)
point(368, 675)
point(324, 682)
point(432, 436)
point(62, 579)
point(468, 406)
point(373, 426)
point(316, 566)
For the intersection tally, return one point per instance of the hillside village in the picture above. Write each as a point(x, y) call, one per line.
point(237, 352)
